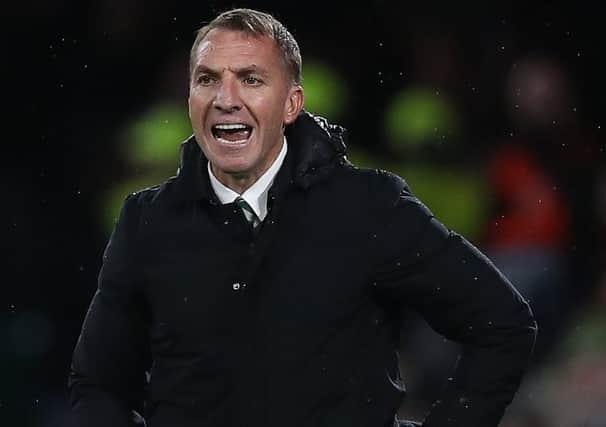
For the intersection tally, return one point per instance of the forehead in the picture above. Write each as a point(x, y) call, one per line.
point(222, 47)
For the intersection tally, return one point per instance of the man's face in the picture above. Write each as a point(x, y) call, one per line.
point(240, 97)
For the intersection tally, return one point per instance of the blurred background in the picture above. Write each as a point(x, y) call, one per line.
point(492, 113)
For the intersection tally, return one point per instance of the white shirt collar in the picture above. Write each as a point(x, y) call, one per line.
point(256, 194)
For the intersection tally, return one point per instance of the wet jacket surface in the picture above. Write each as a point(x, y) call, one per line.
point(200, 321)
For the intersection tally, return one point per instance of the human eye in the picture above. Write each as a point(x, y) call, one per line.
point(204, 79)
point(252, 81)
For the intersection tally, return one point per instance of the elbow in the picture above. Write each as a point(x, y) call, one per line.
point(527, 319)
point(523, 328)
point(530, 325)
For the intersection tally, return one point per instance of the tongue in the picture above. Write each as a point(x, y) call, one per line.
point(234, 135)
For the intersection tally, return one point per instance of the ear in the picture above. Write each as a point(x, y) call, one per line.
point(294, 104)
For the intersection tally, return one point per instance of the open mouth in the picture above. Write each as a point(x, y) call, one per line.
point(231, 133)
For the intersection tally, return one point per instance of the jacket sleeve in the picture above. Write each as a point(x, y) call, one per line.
point(107, 377)
point(463, 296)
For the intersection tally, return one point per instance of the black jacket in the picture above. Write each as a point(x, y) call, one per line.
point(199, 321)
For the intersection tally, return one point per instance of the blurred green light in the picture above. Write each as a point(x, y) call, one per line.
point(154, 138)
point(458, 199)
point(417, 116)
point(325, 91)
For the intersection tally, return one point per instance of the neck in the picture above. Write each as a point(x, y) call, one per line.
point(238, 182)
point(242, 181)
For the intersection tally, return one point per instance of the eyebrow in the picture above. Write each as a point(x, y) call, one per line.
point(240, 72)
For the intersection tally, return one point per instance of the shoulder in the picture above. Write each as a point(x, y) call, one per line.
point(379, 186)
point(149, 199)
point(386, 196)
point(159, 194)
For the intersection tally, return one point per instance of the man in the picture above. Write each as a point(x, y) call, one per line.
point(261, 286)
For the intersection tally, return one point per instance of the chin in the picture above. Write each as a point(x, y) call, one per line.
point(232, 168)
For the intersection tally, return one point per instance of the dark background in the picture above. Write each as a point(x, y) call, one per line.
point(76, 74)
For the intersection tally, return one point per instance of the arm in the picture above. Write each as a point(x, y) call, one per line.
point(464, 297)
point(107, 377)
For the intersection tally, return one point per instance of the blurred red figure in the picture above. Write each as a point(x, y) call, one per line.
point(528, 235)
point(534, 214)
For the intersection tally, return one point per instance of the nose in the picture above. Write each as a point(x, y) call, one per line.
point(227, 97)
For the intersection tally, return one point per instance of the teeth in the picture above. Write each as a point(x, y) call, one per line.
point(231, 126)
point(225, 141)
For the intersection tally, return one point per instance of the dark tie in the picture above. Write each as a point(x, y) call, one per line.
point(249, 213)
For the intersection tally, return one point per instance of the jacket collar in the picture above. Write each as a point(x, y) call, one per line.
point(315, 147)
